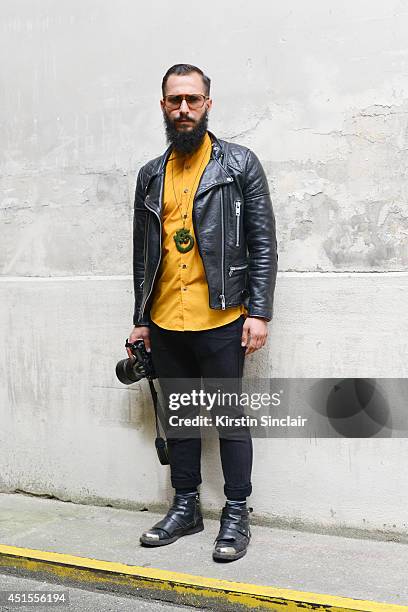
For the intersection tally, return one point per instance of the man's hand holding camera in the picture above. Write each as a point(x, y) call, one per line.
point(139, 333)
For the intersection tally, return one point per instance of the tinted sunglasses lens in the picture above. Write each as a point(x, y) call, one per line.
point(194, 101)
point(173, 101)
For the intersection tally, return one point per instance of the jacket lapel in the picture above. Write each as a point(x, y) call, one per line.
point(213, 175)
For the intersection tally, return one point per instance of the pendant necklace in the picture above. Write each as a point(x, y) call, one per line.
point(182, 235)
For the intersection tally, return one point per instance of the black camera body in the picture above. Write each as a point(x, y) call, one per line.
point(130, 370)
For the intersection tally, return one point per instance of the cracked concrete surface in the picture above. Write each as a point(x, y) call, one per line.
point(346, 212)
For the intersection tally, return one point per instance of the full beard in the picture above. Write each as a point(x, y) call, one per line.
point(185, 142)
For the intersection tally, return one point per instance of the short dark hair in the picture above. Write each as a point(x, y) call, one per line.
point(186, 69)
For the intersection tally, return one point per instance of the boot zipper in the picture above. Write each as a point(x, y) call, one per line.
point(237, 215)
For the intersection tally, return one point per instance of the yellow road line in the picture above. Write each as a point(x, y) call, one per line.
point(180, 587)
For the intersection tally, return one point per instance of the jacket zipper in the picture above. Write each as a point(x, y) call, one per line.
point(222, 294)
point(142, 307)
point(237, 217)
point(233, 268)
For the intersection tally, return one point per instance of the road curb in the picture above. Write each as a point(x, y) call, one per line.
point(175, 587)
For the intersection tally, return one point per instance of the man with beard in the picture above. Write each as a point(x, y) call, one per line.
point(205, 263)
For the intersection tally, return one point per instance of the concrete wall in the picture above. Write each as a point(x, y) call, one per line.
point(320, 91)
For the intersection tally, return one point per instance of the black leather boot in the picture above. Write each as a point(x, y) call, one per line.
point(183, 518)
point(233, 538)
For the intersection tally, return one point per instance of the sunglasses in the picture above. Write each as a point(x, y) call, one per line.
point(194, 101)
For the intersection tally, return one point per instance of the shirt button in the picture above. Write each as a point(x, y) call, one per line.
point(184, 266)
point(186, 190)
point(184, 288)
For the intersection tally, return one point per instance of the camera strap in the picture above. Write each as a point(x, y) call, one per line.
point(160, 443)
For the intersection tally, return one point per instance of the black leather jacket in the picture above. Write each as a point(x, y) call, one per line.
point(234, 225)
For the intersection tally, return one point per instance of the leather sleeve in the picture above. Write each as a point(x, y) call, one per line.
point(260, 231)
point(139, 227)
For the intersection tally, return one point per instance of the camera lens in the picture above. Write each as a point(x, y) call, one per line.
point(128, 372)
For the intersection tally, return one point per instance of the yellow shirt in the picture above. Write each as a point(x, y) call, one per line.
point(180, 299)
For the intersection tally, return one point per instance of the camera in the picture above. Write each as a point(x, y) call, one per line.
point(130, 370)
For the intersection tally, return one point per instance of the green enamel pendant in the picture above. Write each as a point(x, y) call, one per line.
point(183, 236)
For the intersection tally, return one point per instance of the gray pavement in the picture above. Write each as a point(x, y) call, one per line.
point(81, 600)
point(349, 567)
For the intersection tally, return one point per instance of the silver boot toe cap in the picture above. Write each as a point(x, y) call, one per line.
point(151, 536)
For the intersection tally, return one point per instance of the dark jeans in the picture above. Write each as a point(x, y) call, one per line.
point(212, 353)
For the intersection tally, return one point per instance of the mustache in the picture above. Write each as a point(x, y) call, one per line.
point(181, 120)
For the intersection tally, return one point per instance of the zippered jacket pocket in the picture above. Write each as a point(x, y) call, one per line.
point(233, 269)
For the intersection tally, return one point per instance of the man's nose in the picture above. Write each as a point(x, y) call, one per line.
point(184, 107)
